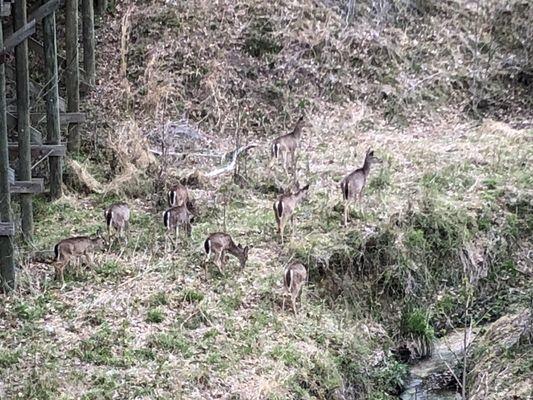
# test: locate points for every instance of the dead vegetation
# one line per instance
(193, 83)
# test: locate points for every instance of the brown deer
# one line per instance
(352, 185)
(294, 277)
(176, 217)
(217, 244)
(117, 216)
(285, 146)
(75, 248)
(284, 208)
(178, 195)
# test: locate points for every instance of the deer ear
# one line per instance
(246, 250)
(306, 187)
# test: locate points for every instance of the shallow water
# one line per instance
(447, 350)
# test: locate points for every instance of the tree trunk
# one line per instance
(23, 111)
(52, 102)
(72, 73)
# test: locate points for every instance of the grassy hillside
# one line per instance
(446, 219)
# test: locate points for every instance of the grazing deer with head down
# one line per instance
(217, 244)
(176, 217)
(75, 248)
(178, 195)
(294, 277)
(118, 216)
(352, 185)
(284, 208)
(285, 146)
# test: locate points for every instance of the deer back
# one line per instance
(118, 215)
(177, 196)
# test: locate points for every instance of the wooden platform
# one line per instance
(7, 229)
(36, 185)
(39, 150)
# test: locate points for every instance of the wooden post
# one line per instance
(52, 102)
(23, 111)
(7, 270)
(88, 40)
(72, 73)
(101, 6)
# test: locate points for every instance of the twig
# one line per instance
(231, 166)
(42, 159)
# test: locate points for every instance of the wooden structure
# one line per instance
(32, 146)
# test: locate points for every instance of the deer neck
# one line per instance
(366, 166)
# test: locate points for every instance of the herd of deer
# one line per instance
(218, 244)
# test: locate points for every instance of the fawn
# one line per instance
(75, 247)
(117, 215)
(285, 146)
(175, 217)
(218, 244)
(178, 195)
(294, 277)
(284, 208)
(352, 185)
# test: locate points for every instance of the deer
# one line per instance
(117, 216)
(284, 208)
(294, 277)
(352, 185)
(217, 244)
(75, 248)
(178, 195)
(285, 146)
(176, 217)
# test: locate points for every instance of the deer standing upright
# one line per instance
(284, 208)
(285, 146)
(294, 277)
(118, 216)
(352, 185)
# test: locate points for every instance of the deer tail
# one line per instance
(344, 188)
(288, 278)
(275, 150)
(170, 196)
(56, 252)
(109, 217)
(166, 216)
(207, 246)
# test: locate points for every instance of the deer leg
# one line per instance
(293, 300)
(346, 205)
(360, 202)
(281, 229)
(293, 225)
(283, 304)
(218, 262)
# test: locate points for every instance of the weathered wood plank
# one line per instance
(18, 37)
(36, 185)
(55, 150)
(12, 123)
(5, 9)
(53, 123)
(72, 73)
(7, 229)
(7, 270)
(88, 40)
(23, 120)
(65, 118)
(44, 10)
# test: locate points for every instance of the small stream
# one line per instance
(447, 350)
